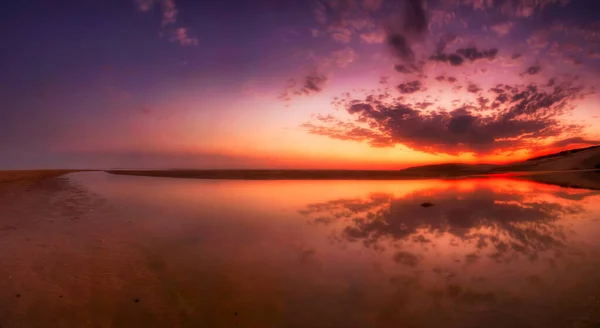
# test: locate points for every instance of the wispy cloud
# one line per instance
(169, 12)
(180, 35)
(341, 58)
(340, 34)
(145, 5)
(314, 82)
(377, 36)
(168, 8)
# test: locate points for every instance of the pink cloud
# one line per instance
(145, 5)
(371, 5)
(539, 39)
(377, 36)
(180, 35)
(440, 18)
(341, 58)
(168, 7)
(320, 13)
(169, 12)
(359, 24)
(340, 34)
(502, 29)
(593, 54)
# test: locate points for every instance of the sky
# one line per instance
(346, 84)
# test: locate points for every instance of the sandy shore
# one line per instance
(49, 228)
(587, 179)
(71, 258)
(30, 176)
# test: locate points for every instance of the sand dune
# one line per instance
(576, 159)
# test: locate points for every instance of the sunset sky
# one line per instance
(349, 84)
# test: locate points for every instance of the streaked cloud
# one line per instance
(376, 36)
(340, 34)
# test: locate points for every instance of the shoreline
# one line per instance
(585, 179)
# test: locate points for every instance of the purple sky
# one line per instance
(303, 84)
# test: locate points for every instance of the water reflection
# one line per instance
(492, 253)
(478, 254)
(501, 223)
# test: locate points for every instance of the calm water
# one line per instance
(201, 253)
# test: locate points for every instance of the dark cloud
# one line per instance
(514, 8)
(515, 56)
(410, 87)
(532, 70)
(573, 141)
(406, 258)
(415, 19)
(314, 83)
(471, 54)
(423, 104)
(443, 78)
(474, 88)
(400, 47)
(452, 59)
(504, 118)
(311, 83)
(408, 68)
(444, 41)
(413, 23)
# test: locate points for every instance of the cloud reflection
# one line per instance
(499, 224)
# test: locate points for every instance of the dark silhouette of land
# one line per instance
(571, 168)
(579, 168)
(28, 176)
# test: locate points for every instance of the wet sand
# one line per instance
(62, 263)
(30, 176)
(184, 253)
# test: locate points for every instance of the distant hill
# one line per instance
(563, 153)
(449, 169)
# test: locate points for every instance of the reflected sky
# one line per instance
(499, 223)
(489, 252)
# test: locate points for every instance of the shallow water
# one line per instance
(134, 251)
